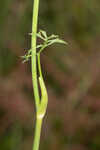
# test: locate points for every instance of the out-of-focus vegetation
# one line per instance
(72, 75)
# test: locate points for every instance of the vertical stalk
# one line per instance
(34, 74)
(33, 47)
(39, 66)
(41, 105)
(37, 133)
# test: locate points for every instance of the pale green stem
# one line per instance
(33, 47)
(34, 74)
(41, 105)
(37, 133)
(39, 66)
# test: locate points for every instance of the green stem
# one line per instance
(33, 47)
(34, 74)
(39, 66)
(37, 133)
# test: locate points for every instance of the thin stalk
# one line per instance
(34, 74)
(39, 66)
(33, 47)
(37, 133)
(41, 104)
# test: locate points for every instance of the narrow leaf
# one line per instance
(53, 36)
(39, 46)
(43, 33)
(40, 36)
(57, 41)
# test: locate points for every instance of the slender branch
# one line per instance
(39, 66)
(34, 75)
(33, 47)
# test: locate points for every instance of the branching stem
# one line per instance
(41, 104)
(34, 74)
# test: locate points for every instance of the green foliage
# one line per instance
(47, 41)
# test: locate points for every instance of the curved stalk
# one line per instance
(39, 66)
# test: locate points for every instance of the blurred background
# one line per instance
(72, 75)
